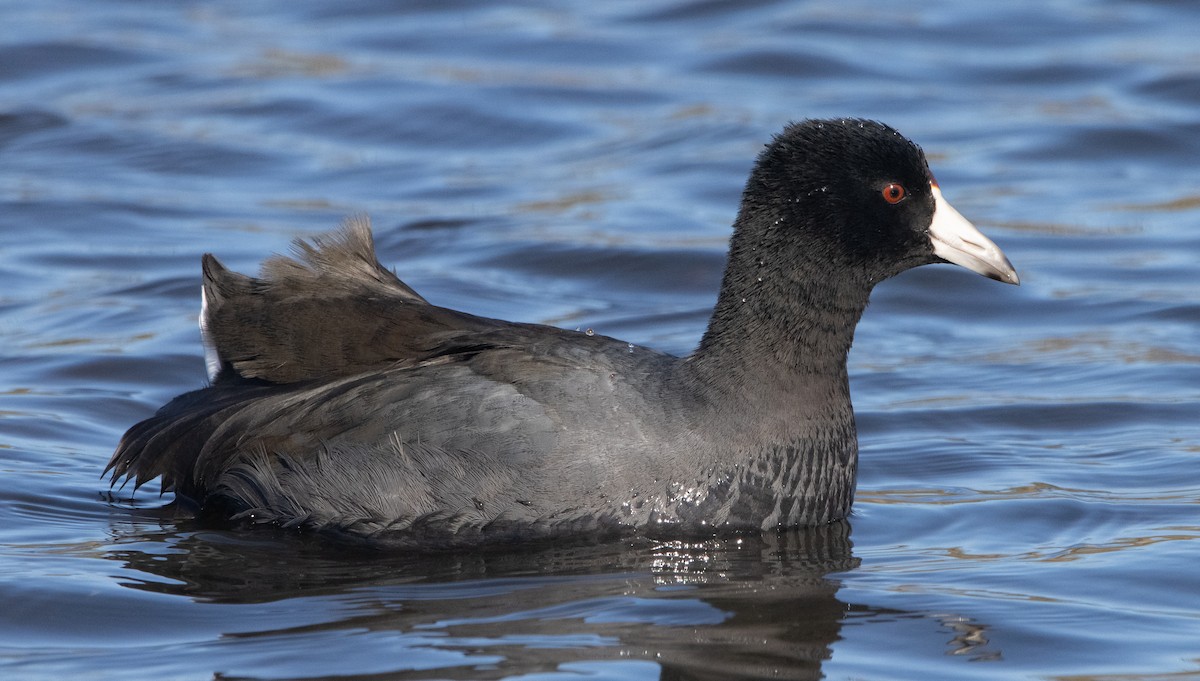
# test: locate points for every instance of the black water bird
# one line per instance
(342, 402)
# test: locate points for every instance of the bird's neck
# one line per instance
(779, 327)
(769, 384)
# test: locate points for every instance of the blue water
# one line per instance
(1029, 493)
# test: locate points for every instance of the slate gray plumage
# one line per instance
(343, 402)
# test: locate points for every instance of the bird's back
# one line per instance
(342, 400)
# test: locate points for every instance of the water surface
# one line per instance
(1030, 472)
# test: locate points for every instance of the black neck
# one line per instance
(778, 323)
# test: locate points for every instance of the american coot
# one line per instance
(343, 402)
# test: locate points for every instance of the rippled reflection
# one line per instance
(752, 606)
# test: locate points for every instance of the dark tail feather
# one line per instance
(169, 444)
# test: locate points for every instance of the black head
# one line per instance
(855, 199)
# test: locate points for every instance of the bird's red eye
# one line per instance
(893, 193)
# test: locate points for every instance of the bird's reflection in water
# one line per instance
(738, 607)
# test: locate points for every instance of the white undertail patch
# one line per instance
(212, 361)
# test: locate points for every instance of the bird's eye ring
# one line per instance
(893, 193)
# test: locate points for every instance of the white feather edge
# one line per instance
(212, 360)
